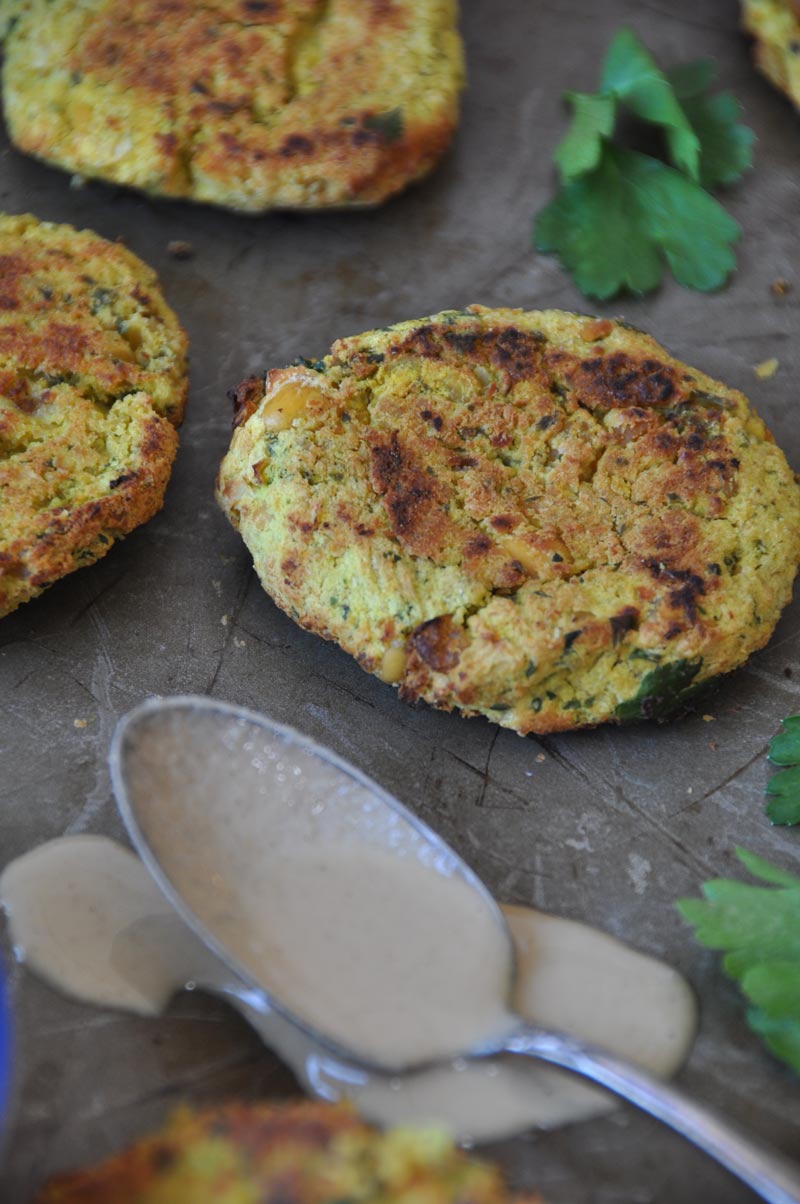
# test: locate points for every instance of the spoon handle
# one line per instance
(767, 1172)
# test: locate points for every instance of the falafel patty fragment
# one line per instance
(537, 517)
(248, 104)
(295, 1153)
(775, 27)
(92, 385)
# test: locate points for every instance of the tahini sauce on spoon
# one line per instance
(85, 915)
(321, 890)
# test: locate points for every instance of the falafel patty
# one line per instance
(249, 104)
(538, 517)
(92, 385)
(775, 26)
(298, 1153)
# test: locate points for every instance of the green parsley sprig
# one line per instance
(783, 788)
(620, 214)
(758, 928)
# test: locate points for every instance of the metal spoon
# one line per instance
(179, 765)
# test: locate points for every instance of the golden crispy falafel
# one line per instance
(538, 517)
(250, 104)
(775, 26)
(92, 385)
(299, 1153)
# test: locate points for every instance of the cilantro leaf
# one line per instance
(620, 215)
(595, 225)
(764, 870)
(783, 788)
(632, 75)
(775, 988)
(758, 927)
(781, 1037)
(784, 749)
(582, 147)
(690, 79)
(614, 227)
(751, 923)
(694, 231)
(726, 146)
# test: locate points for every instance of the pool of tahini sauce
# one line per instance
(308, 897)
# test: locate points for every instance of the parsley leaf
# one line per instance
(594, 120)
(620, 215)
(726, 146)
(632, 75)
(783, 788)
(615, 226)
(781, 1036)
(758, 927)
(690, 79)
(595, 225)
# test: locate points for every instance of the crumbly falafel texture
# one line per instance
(775, 27)
(92, 386)
(248, 104)
(541, 518)
(298, 1153)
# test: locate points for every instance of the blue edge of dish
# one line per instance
(5, 1046)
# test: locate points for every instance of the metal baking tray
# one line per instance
(607, 826)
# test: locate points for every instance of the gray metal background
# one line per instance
(609, 826)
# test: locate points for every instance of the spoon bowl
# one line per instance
(197, 782)
(194, 779)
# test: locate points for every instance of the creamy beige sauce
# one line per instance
(572, 978)
(85, 915)
(330, 900)
(319, 895)
(399, 964)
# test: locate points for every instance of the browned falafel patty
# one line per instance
(92, 385)
(775, 28)
(300, 1153)
(243, 103)
(538, 517)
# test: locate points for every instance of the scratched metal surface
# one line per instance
(608, 826)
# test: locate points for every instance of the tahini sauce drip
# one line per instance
(85, 915)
